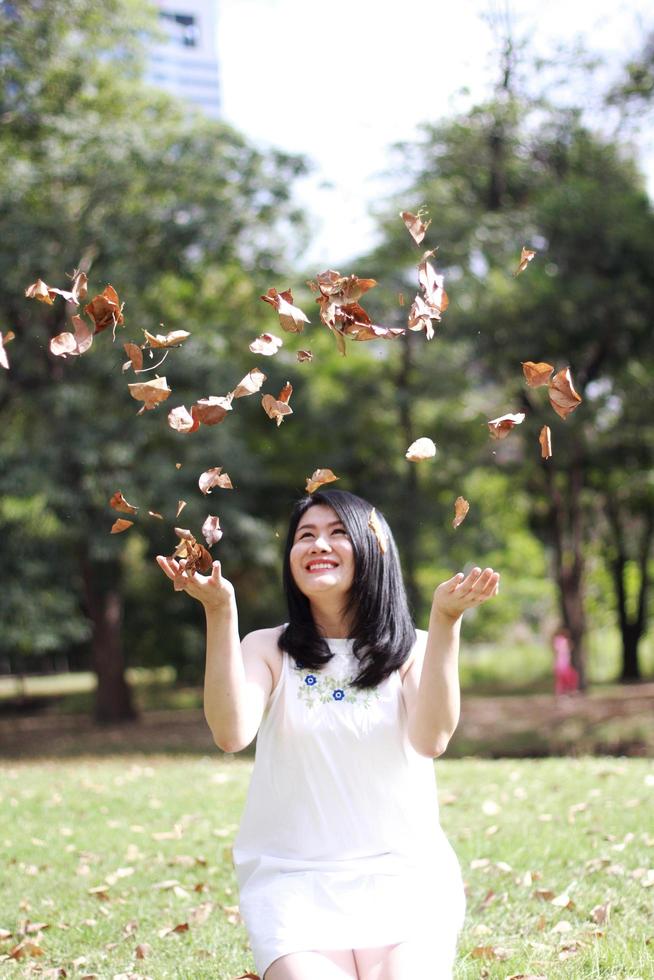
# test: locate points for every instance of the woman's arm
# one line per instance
(238, 679)
(431, 684)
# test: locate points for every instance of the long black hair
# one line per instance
(382, 626)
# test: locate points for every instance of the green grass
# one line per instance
(577, 826)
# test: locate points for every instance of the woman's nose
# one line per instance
(321, 544)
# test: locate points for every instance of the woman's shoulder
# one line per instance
(263, 645)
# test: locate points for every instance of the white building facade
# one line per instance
(186, 64)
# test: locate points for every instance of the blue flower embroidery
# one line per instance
(338, 694)
(310, 680)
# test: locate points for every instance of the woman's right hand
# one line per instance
(213, 591)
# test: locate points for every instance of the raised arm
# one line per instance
(431, 684)
(237, 678)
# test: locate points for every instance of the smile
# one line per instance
(318, 566)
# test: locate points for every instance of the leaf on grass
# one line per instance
(416, 227)
(461, 508)
(266, 344)
(278, 408)
(105, 310)
(601, 913)
(563, 901)
(291, 317)
(120, 525)
(173, 930)
(545, 439)
(304, 355)
(214, 477)
(376, 527)
(118, 502)
(247, 976)
(250, 384)
(526, 255)
(490, 953)
(500, 427)
(22, 950)
(142, 951)
(211, 530)
(181, 420)
(423, 448)
(318, 479)
(151, 393)
(563, 397)
(135, 355)
(171, 339)
(39, 290)
(537, 373)
(197, 559)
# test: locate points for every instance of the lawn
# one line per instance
(122, 867)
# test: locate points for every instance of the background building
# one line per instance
(186, 64)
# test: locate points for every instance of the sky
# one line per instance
(340, 82)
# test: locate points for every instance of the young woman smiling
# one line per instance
(344, 871)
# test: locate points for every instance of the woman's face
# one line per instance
(322, 557)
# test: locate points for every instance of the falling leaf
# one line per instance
(178, 466)
(318, 479)
(181, 504)
(563, 397)
(120, 525)
(423, 448)
(500, 427)
(118, 502)
(171, 339)
(105, 310)
(304, 355)
(537, 373)
(266, 344)
(197, 559)
(250, 384)
(67, 344)
(278, 408)
(526, 255)
(135, 355)
(432, 285)
(375, 526)
(63, 344)
(39, 290)
(211, 530)
(339, 308)
(79, 287)
(415, 225)
(461, 508)
(291, 317)
(212, 410)
(181, 420)
(10, 335)
(545, 439)
(151, 393)
(214, 477)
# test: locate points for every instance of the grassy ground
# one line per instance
(102, 858)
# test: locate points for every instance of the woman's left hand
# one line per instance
(452, 598)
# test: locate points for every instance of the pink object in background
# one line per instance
(566, 678)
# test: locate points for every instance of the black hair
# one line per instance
(382, 626)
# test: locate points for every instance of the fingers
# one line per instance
(479, 585)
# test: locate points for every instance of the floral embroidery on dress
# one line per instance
(322, 688)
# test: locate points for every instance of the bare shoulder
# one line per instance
(417, 654)
(262, 646)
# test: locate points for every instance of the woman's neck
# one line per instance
(330, 621)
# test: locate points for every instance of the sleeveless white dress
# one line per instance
(340, 845)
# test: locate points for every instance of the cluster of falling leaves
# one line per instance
(340, 310)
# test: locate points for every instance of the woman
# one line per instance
(343, 869)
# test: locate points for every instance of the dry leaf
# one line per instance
(266, 344)
(291, 317)
(10, 335)
(278, 408)
(601, 913)
(250, 384)
(318, 479)
(181, 504)
(211, 530)
(121, 525)
(68, 344)
(25, 949)
(537, 373)
(423, 448)
(500, 427)
(142, 951)
(339, 308)
(212, 410)
(197, 559)
(214, 477)
(118, 502)
(39, 290)
(172, 339)
(526, 255)
(304, 355)
(105, 310)
(375, 526)
(151, 393)
(135, 355)
(563, 397)
(461, 508)
(490, 953)
(181, 420)
(415, 225)
(545, 439)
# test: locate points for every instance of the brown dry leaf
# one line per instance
(232, 914)
(563, 901)
(304, 355)
(39, 290)
(339, 308)
(181, 420)
(375, 526)
(500, 427)
(318, 479)
(291, 317)
(266, 344)
(201, 913)
(154, 513)
(544, 893)
(563, 397)
(10, 335)
(171, 339)
(80, 286)
(461, 508)
(135, 355)
(105, 310)
(537, 373)
(248, 976)
(278, 408)
(250, 384)
(63, 345)
(601, 913)
(173, 930)
(197, 559)
(490, 953)
(5, 934)
(101, 891)
(214, 477)
(526, 255)
(121, 525)
(181, 504)
(416, 227)
(545, 439)
(22, 950)
(151, 393)
(142, 951)
(212, 410)
(432, 285)
(68, 345)
(423, 448)
(211, 530)
(118, 502)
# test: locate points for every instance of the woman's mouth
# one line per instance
(321, 566)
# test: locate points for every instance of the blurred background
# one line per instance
(195, 153)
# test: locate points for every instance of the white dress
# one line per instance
(340, 845)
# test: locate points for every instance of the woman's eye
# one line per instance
(339, 530)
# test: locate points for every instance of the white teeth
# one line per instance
(321, 564)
